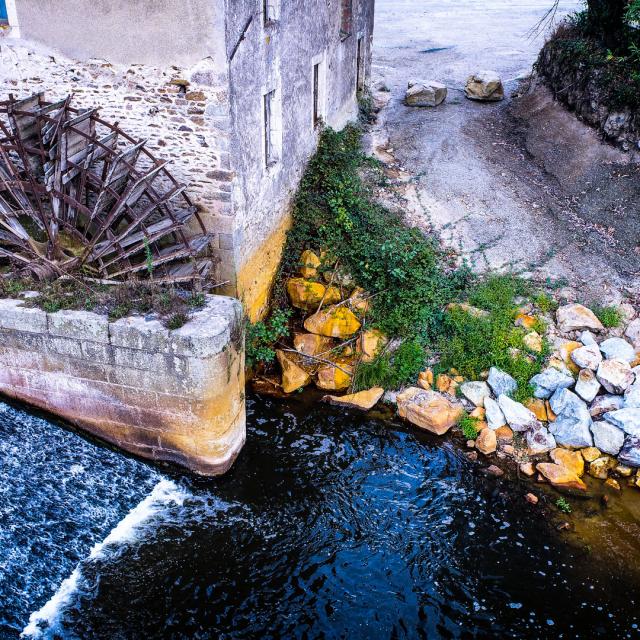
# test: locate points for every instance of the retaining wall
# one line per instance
(174, 396)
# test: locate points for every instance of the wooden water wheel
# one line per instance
(78, 195)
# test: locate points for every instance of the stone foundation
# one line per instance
(174, 396)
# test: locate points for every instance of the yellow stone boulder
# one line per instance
(601, 466)
(358, 302)
(293, 376)
(590, 453)
(332, 378)
(487, 442)
(370, 344)
(305, 294)
(572, 460)
(428, 410)
(333, 322)
(309, 262)
(566, 349)
(560, 477)
(425, 379)
(533, 341)
(363, 400)
(525, 321)
(311, 344)
(538, 408)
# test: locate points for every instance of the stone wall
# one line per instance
(175, 396)
(580, 88)
(154, 32)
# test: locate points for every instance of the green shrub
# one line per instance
(609, 316)
(469, 426)
(545, 302)
(262, 336)
(392, 370)
(563, 505)
(176, 320)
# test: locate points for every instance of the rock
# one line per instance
(390, 397)
(486, 442)
(633, 333)
(632, 395)
(467, 308)
(538, 408)
(627, 419)
(613, 483)
(539, 441)
(475, 392)
(588, 357)
(370, 344)
(549, 381)
(572, 460)
(478, 413)
(531, 499)
(340, 277)
(615, 375)
(590, 453)
(359, 301)
(587, 386)
(307, 295)
(311, 344)
(607, 437)
(504, 434)
(528, 469)
(425, 379)
(587, 338)
(607, 402)
(363, 400)
(525, 321)
(518, 417)
(493, 413)
(484, 86)
(551, 416)
(556, 362)
(426, 94)
(428, 410)
(309, 264)
(493, 470)
(333, 322)
(618, 349)
(561, 477)
(623, 471)
(566, 349)
(601, 466)
(564, 400)
(331, 378)
(575, 317)
(533, 341)
(294, 377)
(627, 312)
(446, 384)
(572, 430)
(508, 449)
(501, 383)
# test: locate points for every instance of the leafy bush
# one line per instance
(469, 426)
(262, 336)
(609, 316)
(563, 505)
(392, 371)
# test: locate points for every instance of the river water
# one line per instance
(330, 525)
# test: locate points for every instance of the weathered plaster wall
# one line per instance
(155, 32)
(280, 56)
(187, 125)
(165, 395)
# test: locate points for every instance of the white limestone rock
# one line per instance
(615, 375)
(603, 404)
(475, 392)
(485, 86)
(576, 317)
(573, 429)
(630, 452)
(633, 332)
(426, 94)
(587, 386)
(627, 419)
(548, 381)
(587, 338)
(539, 441)
(607, 437)
(493, 414)
(564, 400)
(501, 383)
(632, 395)
(518, 417)
(587, 357)
(618, 349)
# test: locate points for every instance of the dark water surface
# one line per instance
(329, 526)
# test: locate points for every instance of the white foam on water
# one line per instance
(127, 530)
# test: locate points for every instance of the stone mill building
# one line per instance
(233, 92)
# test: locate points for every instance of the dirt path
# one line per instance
(518, 184)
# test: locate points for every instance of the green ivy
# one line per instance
(262, 336)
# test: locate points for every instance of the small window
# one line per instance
(4, 16)
(346, 18)
(317, 116)
(269, 11)
(269, 139)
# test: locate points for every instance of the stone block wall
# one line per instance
(174, 396)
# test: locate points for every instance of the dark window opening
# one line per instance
(269, 156)
(268, 11)
(360, 65)
(4, 16)
(316, 94)
(346, 18)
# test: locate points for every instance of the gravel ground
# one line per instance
(518, 184)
